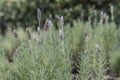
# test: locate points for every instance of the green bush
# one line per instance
(23, 13)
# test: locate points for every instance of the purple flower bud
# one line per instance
(47, 24)
(60, 19)
(15, 33)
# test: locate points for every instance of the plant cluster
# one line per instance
(80, 52)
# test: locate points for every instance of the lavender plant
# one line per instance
(56, 55)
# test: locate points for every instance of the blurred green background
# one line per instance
(22, 13)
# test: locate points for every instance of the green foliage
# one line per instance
(48, 57)
(23, 13)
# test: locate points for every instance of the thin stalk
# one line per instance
(63, 41)
(33, 61)
(44, 37)
(39, 22)
(51, 33)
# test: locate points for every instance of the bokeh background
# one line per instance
(22, 13)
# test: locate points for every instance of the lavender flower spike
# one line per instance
(47, 24)
(60, 19)
(38, 14)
